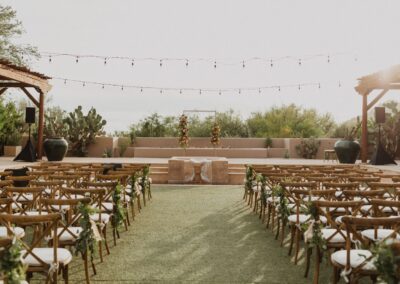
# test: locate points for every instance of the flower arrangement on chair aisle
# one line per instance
(183, 132)
(215, 132)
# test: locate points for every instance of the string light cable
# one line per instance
(182, 90)
(214, 62)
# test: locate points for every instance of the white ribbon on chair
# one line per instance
(95, 230)
(309, 233)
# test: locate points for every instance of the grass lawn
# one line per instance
(197, 234)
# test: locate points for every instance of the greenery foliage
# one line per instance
(387, 261)
(283, 209)
(308, 149)
(11, 266)
(82, 129)
(86, 242)
(11, 124)
(10, 29)
(54, 123)
(118, 215)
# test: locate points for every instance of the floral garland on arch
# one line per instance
(215, 133)
(183, 131)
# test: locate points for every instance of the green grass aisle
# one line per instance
(197, 234)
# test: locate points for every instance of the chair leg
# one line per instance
(255, 201)
(268, 214)
(308, 260)
(101, 251)
(139, 205)
(317, 263)
(296, 257)
(144, 198)
(114, 236)
(65, 274)
(292, 236)
(335, 275)
(133, 210)
(85, 263)
(278, 228)
(283, 233)
(105, 239)
(149, 196)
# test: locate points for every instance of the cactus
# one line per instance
(83, 129)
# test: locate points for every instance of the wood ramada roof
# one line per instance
(382, 80)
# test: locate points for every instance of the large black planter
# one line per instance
(347, 151)
(55, 148)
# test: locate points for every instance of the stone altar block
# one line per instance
(198, 170)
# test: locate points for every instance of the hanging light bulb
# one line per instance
(240, 91)
(105, 61)
(299, 62)
(65, 81)
(133, 62)
(122, 88)
(329, 59)
(215, 64)
(319, 85)
(84, 84)
(259, 91)
(200, 91)
(160, 91)
(243, 64)
(279, 88)
(299, 87)
(187, 62)
(141, 89)
(50, 59)
(271, 63)
(180, 91)
(340, 85)
(102, 86)
(220, 93)
(161, 62)
(77, 59)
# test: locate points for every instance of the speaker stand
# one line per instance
(28, 153)
(380, 156)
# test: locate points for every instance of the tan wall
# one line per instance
(230, 147)
(97, 149)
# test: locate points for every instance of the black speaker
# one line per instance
(380, 116)
(30, 114)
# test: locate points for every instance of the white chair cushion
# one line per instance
(381, 234)
(105, 218)
(23, 197)
(31, 213)
(64, 256)
(337, 238)
(108, 206)
(18, 232)
(273, 199)
(357, 256)
(66, 235)
(303, 218)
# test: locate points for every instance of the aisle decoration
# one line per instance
(183, 132)
(312, 229)
(215, 134)
(249, 181)
(118, 215)
(386, 256)
(87, 239)
(11, 266)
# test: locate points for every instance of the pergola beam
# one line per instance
(377, 98)
(32, 98)
(14, 85)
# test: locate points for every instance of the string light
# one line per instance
(105, 61)
(299, 62)
(161, 62)
(187, 62)
(133, 62)
(50, 59)
(329, 59)
(77, 59)
(215, 64)
(239, 90)
(243, 64)
(272, 63)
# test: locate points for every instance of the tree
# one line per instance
(10, 29)
(11, 124)
(290, 121)
(83, 129)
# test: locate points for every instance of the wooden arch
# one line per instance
(382, 81)
(12, 76)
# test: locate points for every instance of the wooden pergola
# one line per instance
(382, 81)
(12, 76)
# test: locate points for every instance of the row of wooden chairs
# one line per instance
(42, 210)
(339, 202)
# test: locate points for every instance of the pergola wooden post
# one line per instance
(12, 76)
(384, 81)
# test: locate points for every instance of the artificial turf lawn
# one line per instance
(197, 234)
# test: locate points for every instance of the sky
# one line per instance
(359, 36)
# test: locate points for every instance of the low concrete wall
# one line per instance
(229, 148)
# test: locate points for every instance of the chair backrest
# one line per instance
(49, 222)
(5, 205)
(385, 208)
(26, 198)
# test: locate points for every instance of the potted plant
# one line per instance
(55, 146)
(348, 149)
(13, 145)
